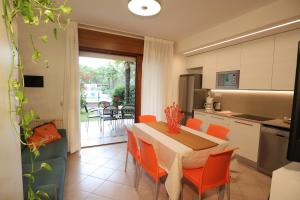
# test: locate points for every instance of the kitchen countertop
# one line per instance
(274, 122)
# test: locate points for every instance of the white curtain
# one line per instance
(71, 88)
(157, 59)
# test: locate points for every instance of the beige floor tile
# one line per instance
(103, 172)
(90, 183)
(87, 169)
(110, 190)
(75, 195)
(122, 177)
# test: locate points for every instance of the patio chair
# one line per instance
(109, 113)
(92, 113)
(127, 113)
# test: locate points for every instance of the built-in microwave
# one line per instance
(228, 79)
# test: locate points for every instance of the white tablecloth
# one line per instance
(173, 154)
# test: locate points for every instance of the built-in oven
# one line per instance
(228, 79)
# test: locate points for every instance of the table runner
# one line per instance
(191, 140)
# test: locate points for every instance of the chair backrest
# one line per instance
(194, 124)
(132, 145)
(147, 118)
(110, 110)
(218, 131)
(127, 109)
(148, 159)
(216, 170)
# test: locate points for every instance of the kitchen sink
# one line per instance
(252, 117)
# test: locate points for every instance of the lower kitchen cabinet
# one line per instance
(245, 135)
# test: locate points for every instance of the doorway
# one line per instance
(107, 97)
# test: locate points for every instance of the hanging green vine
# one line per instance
(32, 13)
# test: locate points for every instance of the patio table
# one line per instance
(172, 154)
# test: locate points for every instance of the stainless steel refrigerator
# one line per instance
(191, 94)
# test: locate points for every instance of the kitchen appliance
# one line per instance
(253, 117)
(209, 103)
(228, 79)
(217, 106)
(273, 145)
(191, 94)
(294, 139)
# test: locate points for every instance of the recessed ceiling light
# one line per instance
(144, 7)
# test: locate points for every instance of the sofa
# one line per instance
(51, 182)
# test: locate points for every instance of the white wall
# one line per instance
(178, 67)
(10, 153)
(46, 101)
(270, 14)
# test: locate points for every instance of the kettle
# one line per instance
(217, 106)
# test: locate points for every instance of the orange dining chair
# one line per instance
(218, 131)
(194, 124)
(150, 165)
(147, 118)
(132, 148)
(215, 173)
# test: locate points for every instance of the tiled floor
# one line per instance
(92, 134)
(98, 174)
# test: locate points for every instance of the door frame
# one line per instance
(107, 43)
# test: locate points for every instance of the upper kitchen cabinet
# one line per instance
(195, 61)
(256, 64)
(229, 58)
(285, 58)
(209, 70)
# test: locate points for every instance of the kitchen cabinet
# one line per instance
(245, 135)
(256, 64)
(229, 58)
(209, 70)
(285, 59)
(208, 119)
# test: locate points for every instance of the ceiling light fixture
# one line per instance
(243, 36)
(144, 7)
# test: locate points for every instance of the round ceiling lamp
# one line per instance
(144, 7)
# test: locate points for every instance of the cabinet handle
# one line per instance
(217, 117)
(243, 123)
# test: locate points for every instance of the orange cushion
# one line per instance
(44, 134)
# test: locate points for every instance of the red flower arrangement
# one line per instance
(174, 116)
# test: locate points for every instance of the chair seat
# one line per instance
(193, 175)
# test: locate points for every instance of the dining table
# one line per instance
(174, 152)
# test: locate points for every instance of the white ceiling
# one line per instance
(177, 20)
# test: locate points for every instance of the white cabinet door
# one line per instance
(209, 70)
(229, 58)
(256, 64)
(195, 61)
(285, 59)
(245, 136)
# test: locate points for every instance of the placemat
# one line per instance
(191, 140)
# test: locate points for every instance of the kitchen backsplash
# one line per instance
(267, 104)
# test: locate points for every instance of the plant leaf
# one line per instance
(44, 38)
(46, 166)
(66, 9)
(29, 176)
(42, 194)
(36, 55)
(49, 15)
